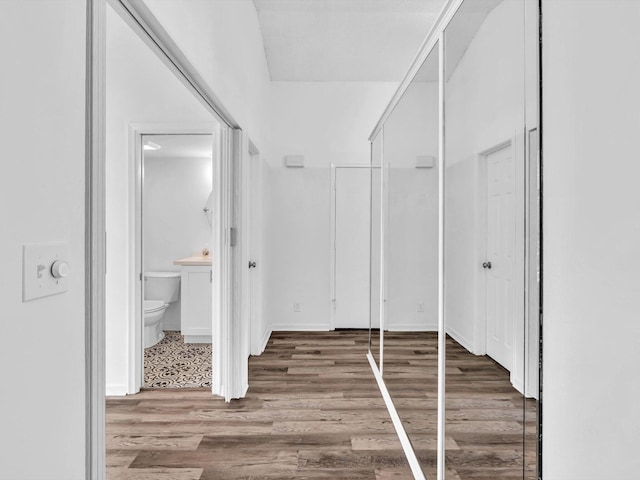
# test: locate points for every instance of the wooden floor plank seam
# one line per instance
(313, 411)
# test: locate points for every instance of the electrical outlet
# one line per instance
(421, 307)
(296, 307)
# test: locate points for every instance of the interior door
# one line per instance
(254, 233)
(500, 261)
(230, 364)
(351, 244)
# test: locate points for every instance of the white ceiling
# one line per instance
(180, 146)
(343, 40)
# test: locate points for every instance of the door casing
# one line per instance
(136, 268)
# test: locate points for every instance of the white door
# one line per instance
(230, 364)
(254, 232)
(500, 261)
(351, 244)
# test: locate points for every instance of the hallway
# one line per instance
(313, 410)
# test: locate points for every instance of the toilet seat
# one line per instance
(151, 306)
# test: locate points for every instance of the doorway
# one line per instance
(350, 245)
(176, 229)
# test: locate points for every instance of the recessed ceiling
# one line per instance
(179, 146)
(343, 40)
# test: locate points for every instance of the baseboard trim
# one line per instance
(265, 340)
(317, 327)
(418, 474)
(407, 327)
(517, 382)
(198, 339)
(461, 339)
(116, 390)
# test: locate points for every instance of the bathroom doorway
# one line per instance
(174, 240)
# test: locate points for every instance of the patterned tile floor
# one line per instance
(171, 363)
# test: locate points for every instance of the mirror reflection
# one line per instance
(411, 260)
(491, 246)
(376, 237)
(485, 255)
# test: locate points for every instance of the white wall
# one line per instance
(42, 119)
(223, 41)
(175, 192)
(412, 223)
(327, 123)
(140, 90)
(591, 235)
(484, 106)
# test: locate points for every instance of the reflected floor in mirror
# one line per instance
(485, 419)
(485, 416)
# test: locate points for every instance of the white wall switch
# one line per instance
(421, 307)
(44, 270)
(296, 307)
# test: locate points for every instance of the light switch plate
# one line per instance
(37, 279)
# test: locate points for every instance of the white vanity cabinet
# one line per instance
(196, 300)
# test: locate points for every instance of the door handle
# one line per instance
(252, 264)
(486, 265)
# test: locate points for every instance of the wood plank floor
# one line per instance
(485, 414)
(313, 411)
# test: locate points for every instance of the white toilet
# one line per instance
(160, 289)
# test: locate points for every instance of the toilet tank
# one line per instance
(163, 286)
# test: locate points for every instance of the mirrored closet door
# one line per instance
(411, 260)
(483, 116)
(375, 307)
(484, 239)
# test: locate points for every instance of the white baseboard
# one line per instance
(265, 340)
(407, 327)
(461, 339)
(295, 327)
(198, 339)
(517, 381)
(116, 390)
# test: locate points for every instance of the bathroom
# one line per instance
(175, 223)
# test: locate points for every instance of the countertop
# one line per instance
(195, 260)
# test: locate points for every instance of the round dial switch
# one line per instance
(59, 269)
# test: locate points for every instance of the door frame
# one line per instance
(533, 266)
(332, 258)
(136, 254)
(147, 27)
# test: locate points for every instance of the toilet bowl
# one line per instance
(161, 289)
(153, 312)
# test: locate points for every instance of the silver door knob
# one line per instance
(252, 264)
(486, 265)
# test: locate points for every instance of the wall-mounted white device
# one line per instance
(45, 269)
(425, 161)
(294, 161)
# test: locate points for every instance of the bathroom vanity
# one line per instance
(196, 298)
